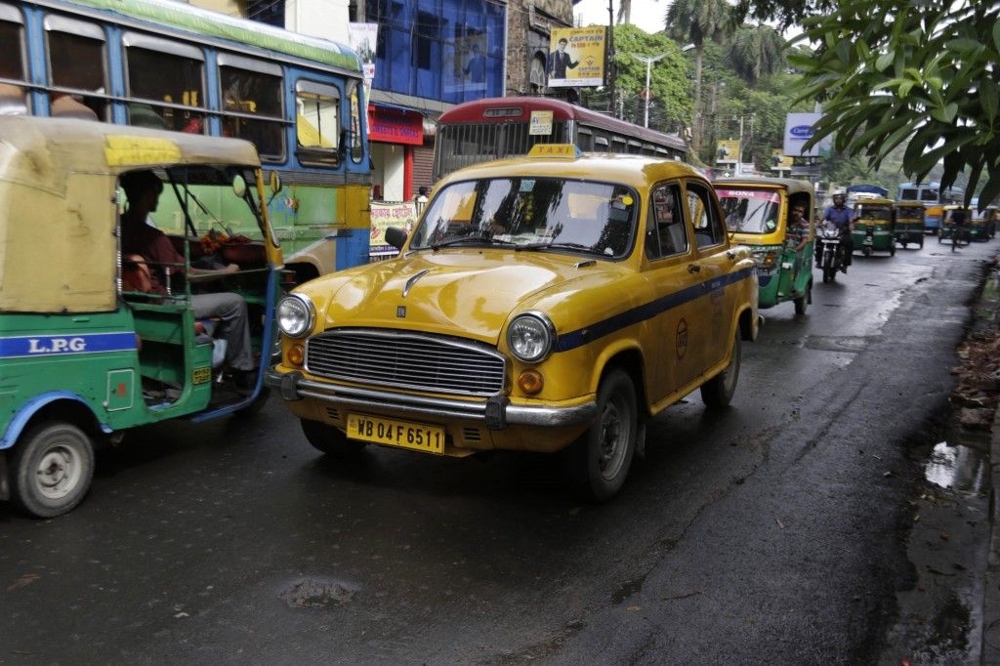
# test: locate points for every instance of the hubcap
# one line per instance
(614, 435)
(57, 473)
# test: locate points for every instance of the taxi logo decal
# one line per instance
(591, 332)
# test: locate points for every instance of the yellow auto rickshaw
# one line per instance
(909, 221)
(761, 213)
(873, 226)
(88, 352)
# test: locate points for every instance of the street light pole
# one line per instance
(649, 60)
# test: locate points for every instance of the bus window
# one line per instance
(317, 126)
(251, 102)
(76, 64)
(168, 82)
(13, 97)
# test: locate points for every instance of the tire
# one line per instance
(921, 243)
(802, 302)
(600, 460)
(51, 469)
(331, 440)
(867, 251)
(892, 251)
(718, 391)
(829, 274)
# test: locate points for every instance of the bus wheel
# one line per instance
(600, 460)
(51, 469)
(331, 440)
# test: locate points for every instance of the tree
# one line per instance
(916, 74)
(669, 86)
(698, 21)
(756, 51)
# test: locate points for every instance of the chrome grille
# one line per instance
(398, 359)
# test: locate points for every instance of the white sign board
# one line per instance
(798, 129)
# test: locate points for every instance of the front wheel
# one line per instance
(718, 391)
(52, 469)
(601, 458)
(331, 440)
(829, 274)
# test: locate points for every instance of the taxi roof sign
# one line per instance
(555, 150)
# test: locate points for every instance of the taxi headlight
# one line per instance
(295, 315)
(530, 337)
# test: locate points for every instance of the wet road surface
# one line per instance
(771, 532)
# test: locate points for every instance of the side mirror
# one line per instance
(239, 186)
(274, 182)
(395, 237)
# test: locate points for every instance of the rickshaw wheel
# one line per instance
(52, 469)
(803, 301)
(600, 460)
(921, 243)
(867, 251)
(718, 391)
(892, 251)
(331, 440)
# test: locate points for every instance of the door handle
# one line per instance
(693, 268)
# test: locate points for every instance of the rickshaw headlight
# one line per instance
(295, 315)
(530, 337)
(765, 259)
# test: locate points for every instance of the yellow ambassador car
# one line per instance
(542, 303)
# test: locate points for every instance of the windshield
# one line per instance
(750, 211)
(875, 212)
(524, 213)
(205, 199)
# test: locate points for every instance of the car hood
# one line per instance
(456, 293)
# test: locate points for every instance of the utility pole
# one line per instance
(610, 64)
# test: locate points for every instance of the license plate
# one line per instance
(404, 434)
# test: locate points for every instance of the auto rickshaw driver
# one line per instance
(143, 189)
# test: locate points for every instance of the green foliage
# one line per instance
(916, 76)
(670, 104)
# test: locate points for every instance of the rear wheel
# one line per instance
(51, 469)
(803, 301)
(600, 459)
(330, 440)
(718, 391)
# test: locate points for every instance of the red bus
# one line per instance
(493, 128)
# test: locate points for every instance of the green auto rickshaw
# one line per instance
(909, 220)
(761, 213)
(874, 230)
(982, 225)
(87, 351)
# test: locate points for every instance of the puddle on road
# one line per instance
(960, 462)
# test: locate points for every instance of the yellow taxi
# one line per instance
(541, 303)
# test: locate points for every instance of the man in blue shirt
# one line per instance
(843, 217)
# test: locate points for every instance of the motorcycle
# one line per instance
(831, 252)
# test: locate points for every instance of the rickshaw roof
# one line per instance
(58, 204)
(54, 146)
(791, 185)
(907, 203)
(878, 201)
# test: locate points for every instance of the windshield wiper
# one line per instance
(462, 240)
(576, 247)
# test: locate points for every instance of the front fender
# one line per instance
(24, 414)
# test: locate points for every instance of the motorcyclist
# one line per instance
(843, 218)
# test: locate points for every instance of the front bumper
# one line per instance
(495, 412)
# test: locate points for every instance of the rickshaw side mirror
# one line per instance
(239, 186)
(274, 182)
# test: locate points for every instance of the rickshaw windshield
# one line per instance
(524, 213)
(750, 211)
(874, 213)
(910, 212)
(214, 198)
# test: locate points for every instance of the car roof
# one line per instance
(632, 170)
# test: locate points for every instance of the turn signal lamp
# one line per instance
(296, 354)
(530, 382)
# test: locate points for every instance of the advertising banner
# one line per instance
(728, 150)
(363, 37)
(799, 129)
(576, 57)
(385, 215)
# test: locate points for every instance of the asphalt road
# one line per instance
(770, 532)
